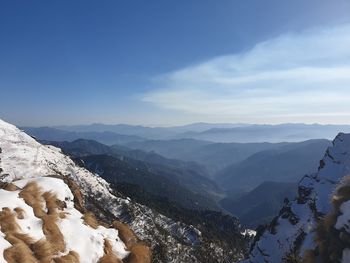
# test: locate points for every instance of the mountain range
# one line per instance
(225, 133)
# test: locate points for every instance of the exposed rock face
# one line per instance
(299, 230)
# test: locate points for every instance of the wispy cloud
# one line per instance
(294, 77)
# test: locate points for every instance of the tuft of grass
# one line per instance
(32, 196)
(62, 215)
(43, 251)
(53, 233)
(19, 252)
(78, 196)
(8, 186)
(53, 204)
(139, 253)
(14, 237)
(109, 256)
(126, 234)
(90, 220)
(8, 222)
(20, 213)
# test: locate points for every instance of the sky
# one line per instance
(162, 62)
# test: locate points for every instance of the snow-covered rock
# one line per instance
(293, 233)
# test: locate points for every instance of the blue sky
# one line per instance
(173, 62)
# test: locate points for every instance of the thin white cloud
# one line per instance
(294, 77)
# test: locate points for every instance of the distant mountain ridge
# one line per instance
(287, 163)
(106, 137)
(243, 133)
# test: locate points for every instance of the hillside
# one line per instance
(182, 182)
(261, 204)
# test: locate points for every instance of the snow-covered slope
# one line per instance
(88, 242)
(307, 223)
(34, 178)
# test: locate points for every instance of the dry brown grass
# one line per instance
(8, 222)
(78, 197)
(20, 213)
(53, 204)
(90, 220)
(42, 250)
(109, 256)
(14, 237)
(126, 234)
(32, 196)
(62, 215)
(53, 233)
(139, 253)
(71, 257)
(19, 253)
(8, 186)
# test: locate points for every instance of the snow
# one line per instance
(346, 256)
(86, 241)
(343, 219)
(23, 159)
(249, 232)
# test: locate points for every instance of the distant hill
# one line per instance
(147, 132)
(268, 133)
(285, 164)
(261, 204)
(53, 134)
(213, 156)
(220, 132)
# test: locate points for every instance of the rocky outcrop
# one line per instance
(302, 231)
